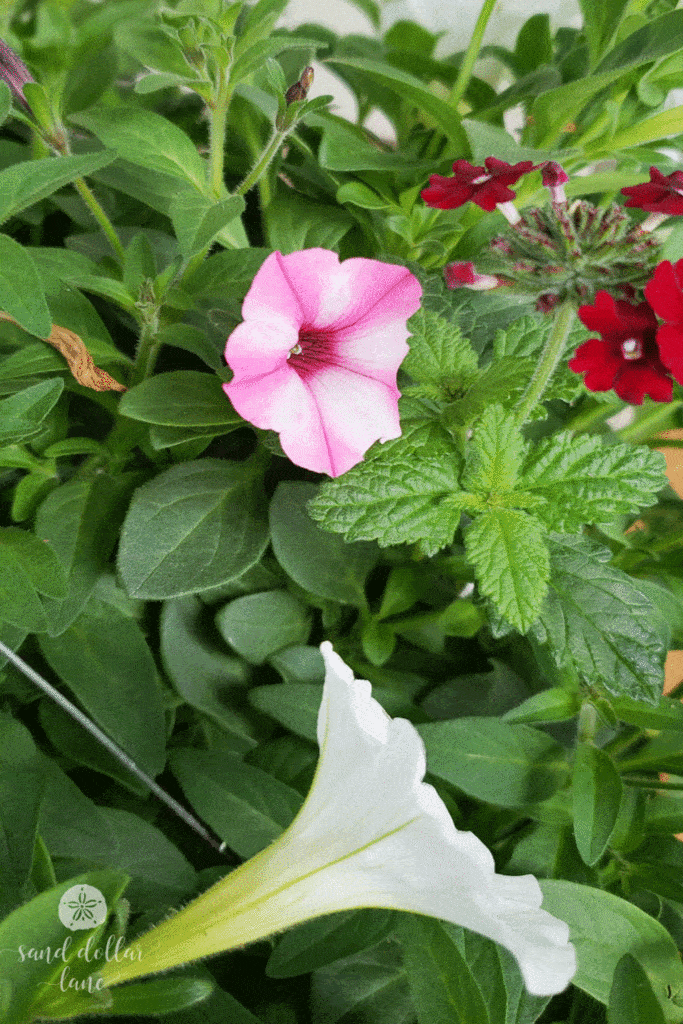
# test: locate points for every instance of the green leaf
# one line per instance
(33, 984)
(245, 806)
(182, 398)
(192, 527)
(495, 453)
(508, 765)
(439, 354)
(508, 551)
(368, 987)
(631, 998)
(318, 561)
(597, 621)
(582, 480)
(663, 714)
(603, 928)
(80, 521)
(319, 942)
(345, 147)
(37, 559)
(554, 705)
(209, 680)
(408, 87)
(294, 705)
(597, 793)
(358, 194)
(652, 129)
(26, 183)
(554, 109)
(258, 625)
(534, 45)
(22, 780)
(295, 223)
(444, 989)
(197, 220)
(147, 139)
(601, 21)
(404, 492)
(105, 661)
(21, 292)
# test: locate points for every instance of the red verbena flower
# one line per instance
(663, 193)
(625, 356)
(463, 274)
(486, 186)
(665, 294)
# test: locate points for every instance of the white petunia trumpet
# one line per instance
(371, 833)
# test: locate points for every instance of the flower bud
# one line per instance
(15, 73)
(299, 91)
(554, 179)
(464, 275)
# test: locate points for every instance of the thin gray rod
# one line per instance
(112, 747)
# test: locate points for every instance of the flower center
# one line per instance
(632, 348)
(481, 179)
(312, 351)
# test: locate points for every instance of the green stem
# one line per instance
(622, 742)
(598, 414)
(471, 53)
(588, 723)
(217, 124)
(648, 423)
(100, 216)
(262, 165)
(550, 357)
(148, 347)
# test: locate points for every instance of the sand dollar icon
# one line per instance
(82, 906)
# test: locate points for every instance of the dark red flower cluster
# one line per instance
(663, 193)
(636, 355)
(486, 186)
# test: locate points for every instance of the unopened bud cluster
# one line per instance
(573, 251)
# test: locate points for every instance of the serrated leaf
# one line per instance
(597, 621)
(439, 354)
(495, 453)
(500, 382)
(508, 551)
(586, 481)
(406, 491)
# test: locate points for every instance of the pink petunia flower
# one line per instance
(317, 355)
(625, 356)
(665, 294)
(487, 186)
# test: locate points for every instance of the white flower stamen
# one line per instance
(632, 348)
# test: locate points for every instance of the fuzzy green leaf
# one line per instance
(507, 549)
(596, 620)
(495, 453)
(439, 354)
(404, 492)
(585, 481)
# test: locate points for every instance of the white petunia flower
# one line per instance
(371, 833)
